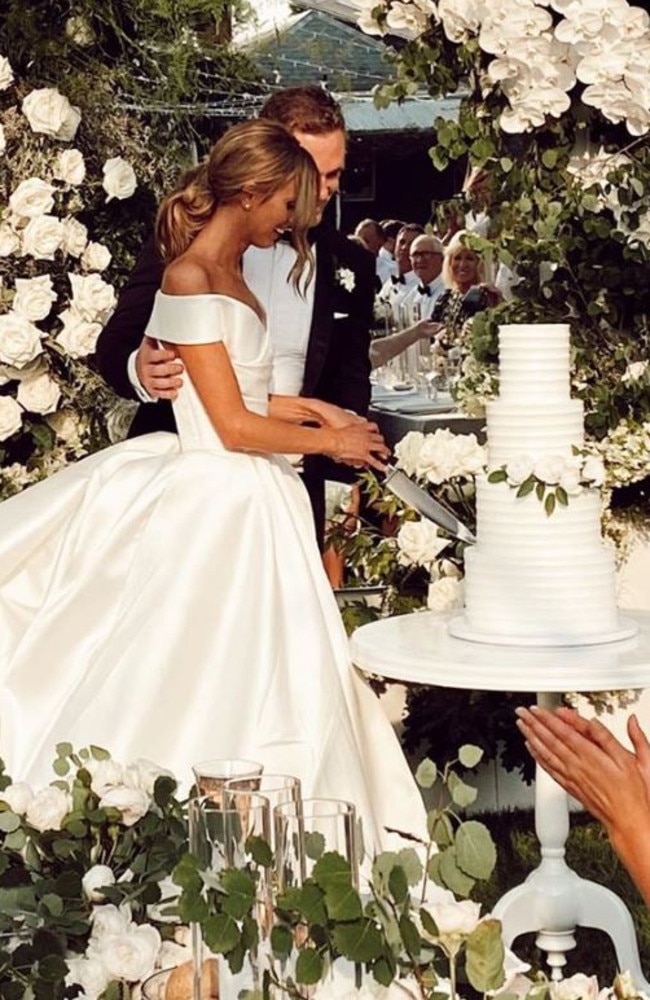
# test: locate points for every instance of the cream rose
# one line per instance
(20, 340)
(89, 973)
(39, 395)
(48, 808)
(42, 237)
(75, 237)
(50, 113)
(455, 919)
(519, 469)
(31, 198)
(78, 337)
(570, 481)
(66, 425)
(34, 297)
(92, 297)
(9, 241)
(6, 73)
(70, 167)
(133, 803)
(131, 955)
(419, 542)
(18, 796)
(550, 468)
(407, 452)
(110, 920)
(96, 257)
(119, 179)
(445, 593)
(11, 417)
(576, 987)
(105, 774)
(143, 774)
(593, 470)
(96, 879)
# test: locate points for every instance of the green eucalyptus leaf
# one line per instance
(453, 877)
(309, 966)
(441, 830)
(485, 956)
(359, 941)
(281, 941)
(476, 853)
(314, 845)
(410, 936)
(383, 970)
(561, 496)
(526, 487)
(549, 504)
(220, 933)
(463, 795)
(470, 755)
(426, 773)
(398, 885)
(409, 861)
(9, 821)
(239, 890)
(497, 476)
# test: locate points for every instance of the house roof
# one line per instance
(414, 114)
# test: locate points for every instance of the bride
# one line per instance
(165, 598)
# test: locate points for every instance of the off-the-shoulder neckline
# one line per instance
(216, 295)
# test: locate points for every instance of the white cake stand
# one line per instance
(553, 900)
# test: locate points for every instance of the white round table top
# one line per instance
(417, 648)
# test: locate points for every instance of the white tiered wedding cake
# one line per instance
(536, 578)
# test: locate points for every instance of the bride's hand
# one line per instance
(329, 415)
(360, 443)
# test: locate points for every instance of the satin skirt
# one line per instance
(172, 605)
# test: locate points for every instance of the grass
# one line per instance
(588, 853)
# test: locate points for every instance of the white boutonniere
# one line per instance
(346, 278)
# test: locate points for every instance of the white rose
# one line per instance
(78, 337)
(95, 257)
(34, 297)
(445, 593)
(30, 370)
(593, 470)
(70, 167)
(18, 796)
(89, 973)
(456, 918)
(39, 395)
(419, 542)
(576, 987)
(143, 774)
(570, 481)
(407, 452)
(20, 340)
(469, 456)
(550, 468)
(32, 197)
(92, 297)
(66, 426)
(3, 141)
(9, 241)
(6, 73)
(131, 955)
(119, 178)
(42, 237)
(105, 774)
(51, 113)
(519, 469)
(48, 808)
(75, 237)
(133, 803)
(109, 920)
(95, 879)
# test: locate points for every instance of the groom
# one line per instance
(320, 341)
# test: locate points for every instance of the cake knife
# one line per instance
(414, 496)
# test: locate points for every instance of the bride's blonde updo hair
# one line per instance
(256, 157)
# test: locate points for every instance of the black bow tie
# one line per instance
(424, 290)
(397, 279)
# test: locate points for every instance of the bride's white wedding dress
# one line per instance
(165, 599)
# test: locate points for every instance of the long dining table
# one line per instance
(397, 412)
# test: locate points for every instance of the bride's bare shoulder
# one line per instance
(186, 276)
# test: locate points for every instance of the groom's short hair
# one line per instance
(310, 109)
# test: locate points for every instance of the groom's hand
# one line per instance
(159, 370)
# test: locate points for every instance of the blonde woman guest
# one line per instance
(166, 598)
(466, 290)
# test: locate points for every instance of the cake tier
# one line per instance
(519, 527)
(534, 430)
(534, 363)
(538, 576)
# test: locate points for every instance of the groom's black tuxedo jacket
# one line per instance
(337, 366)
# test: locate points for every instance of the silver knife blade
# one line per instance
(414, 496)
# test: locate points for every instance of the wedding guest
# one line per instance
(466, 291)
(165, 598)
(373, 238)
(395, 288)
(386, 263)
(320, 338)
(612, 783)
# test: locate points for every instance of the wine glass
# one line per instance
(211, 775)
(304, 831)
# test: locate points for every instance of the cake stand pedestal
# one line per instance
(553, 900)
